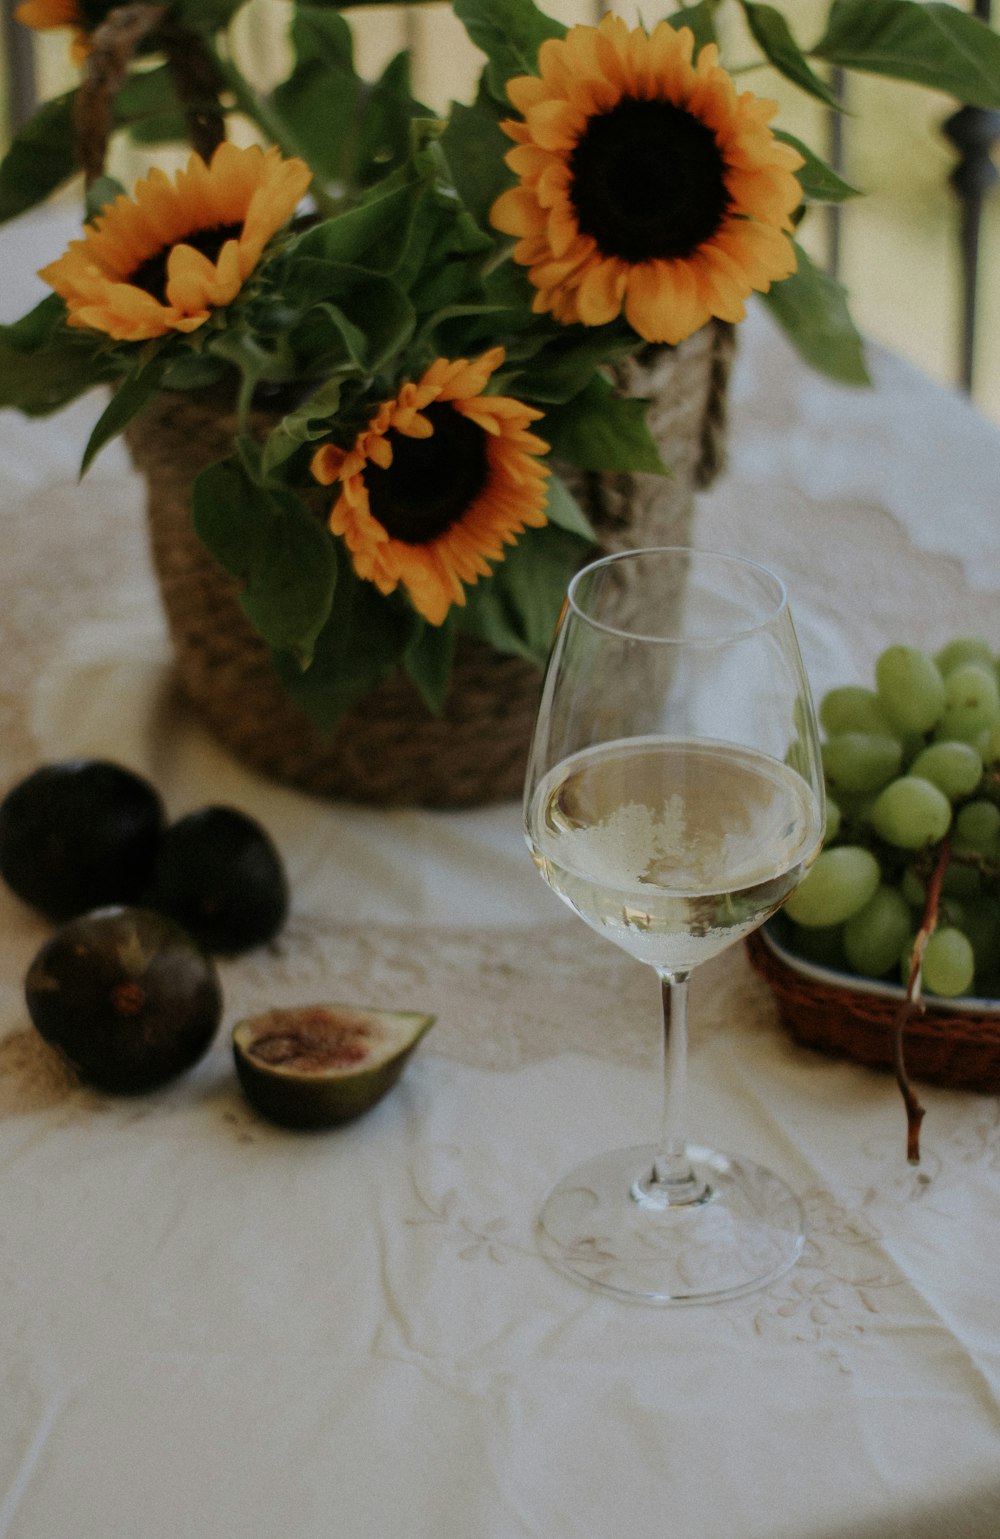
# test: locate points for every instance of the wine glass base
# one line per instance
(745, 1229)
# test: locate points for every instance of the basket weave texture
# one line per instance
(957, 1049)
(390, 750)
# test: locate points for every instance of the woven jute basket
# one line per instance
(943, 1044)
(390, 750)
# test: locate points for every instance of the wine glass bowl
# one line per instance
(674, 800)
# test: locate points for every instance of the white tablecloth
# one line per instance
(214, 1329)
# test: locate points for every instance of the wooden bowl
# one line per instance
(952, 1042)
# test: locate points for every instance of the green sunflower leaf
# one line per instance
(268, 540)
(812, 309)
(701, 19)
(562, 508)
(102, 191)
(517, 609)
(44, 365)
(351, 131)
(474, 145)
(554, 368)
(319, 98)
(148, 108)
(510, 33)
(347, 316)
(772, 34)
(932, 45)
(135, 391)
(601, 430)
(303, 425)
(360, 645)
(428, 661)
(819, 182)
(40, 159)
(369, 235)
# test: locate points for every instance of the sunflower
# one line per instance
(441, 479)
(647, 184)
(82, 15)
(165, 258)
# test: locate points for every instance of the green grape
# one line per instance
(981, 927)
(991, 753)
(913, 889)
(977, 826)
(852, 708)
(949, 963)
(911, 690)
(874, 936)
(860, 762)
(955, 768)
(964, 649)
(833, 821)
(972, 703)
(840, 882)
(911, 812)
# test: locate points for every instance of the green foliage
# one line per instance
(600, 430)
(819, 182)
(41, 158)
(44, 366)
(395, 264)
(700, 17)
(516, 611)
(510, 33)
(770, 30)
(278, 550)
(364, 639)
(350, 131)
(932, 45)
(812, 308)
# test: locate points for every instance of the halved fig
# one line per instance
(315, 1066)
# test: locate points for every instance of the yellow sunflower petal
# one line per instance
(433, 567)
(669, 273)
(599, 296)
(244, 191)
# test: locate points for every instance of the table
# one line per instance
(212, 1328)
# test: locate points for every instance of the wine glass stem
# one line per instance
(672, 1181)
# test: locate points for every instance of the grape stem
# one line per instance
(913, 1002)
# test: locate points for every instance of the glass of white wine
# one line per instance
(674, 799)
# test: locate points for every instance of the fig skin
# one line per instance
(218, 873)
(79, 834)
(319, 1066)
(126, 996)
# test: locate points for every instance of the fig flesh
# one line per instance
(316, 1066)
(126, 996)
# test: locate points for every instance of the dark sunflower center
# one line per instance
(431, 482)
(151, 275)
(648, 181)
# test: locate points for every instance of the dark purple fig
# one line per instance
(79, 834)
(218, 873)
(126, 996)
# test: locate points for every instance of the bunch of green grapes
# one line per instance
(912, 772)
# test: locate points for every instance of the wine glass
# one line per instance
(674, 799)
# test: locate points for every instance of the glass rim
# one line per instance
(690, 553)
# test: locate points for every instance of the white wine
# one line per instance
(673, 848)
